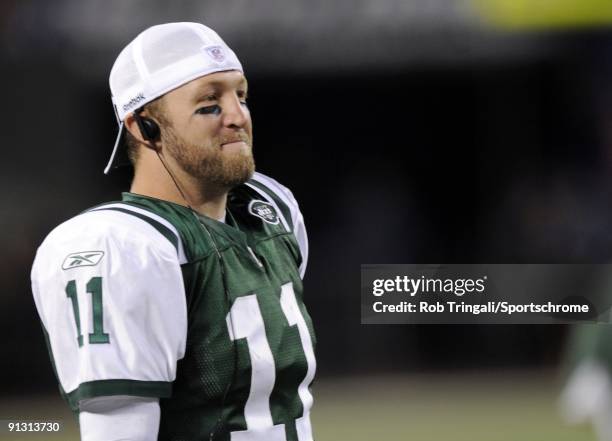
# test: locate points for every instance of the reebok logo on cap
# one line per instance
(133, 102)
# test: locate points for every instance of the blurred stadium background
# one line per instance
(411, 132)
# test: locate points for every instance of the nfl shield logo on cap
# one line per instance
(216, 53)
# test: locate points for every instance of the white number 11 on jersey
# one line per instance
(245, 321)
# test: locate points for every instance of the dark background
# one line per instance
(408, 135)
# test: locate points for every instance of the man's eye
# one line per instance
(209, 110)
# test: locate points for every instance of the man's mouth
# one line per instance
(233, 142)
(234, 145)
(237, 141)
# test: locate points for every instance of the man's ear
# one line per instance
(132, 126)
(138, 129)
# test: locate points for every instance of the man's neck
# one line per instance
(203, 199)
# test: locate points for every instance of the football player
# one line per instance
(177, 312)
(587, 394)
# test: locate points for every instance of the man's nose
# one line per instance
(235, 113)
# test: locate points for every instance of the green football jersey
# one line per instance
(240, 361)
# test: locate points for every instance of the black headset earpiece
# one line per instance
(148, 128)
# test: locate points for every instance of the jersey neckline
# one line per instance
(228, 229)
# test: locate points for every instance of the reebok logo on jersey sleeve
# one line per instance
(83, 258)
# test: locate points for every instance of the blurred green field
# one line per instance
(507, 406)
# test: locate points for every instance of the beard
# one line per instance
(208, 163)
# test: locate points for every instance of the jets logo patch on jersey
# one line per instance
(264, 211)
(83, 258)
